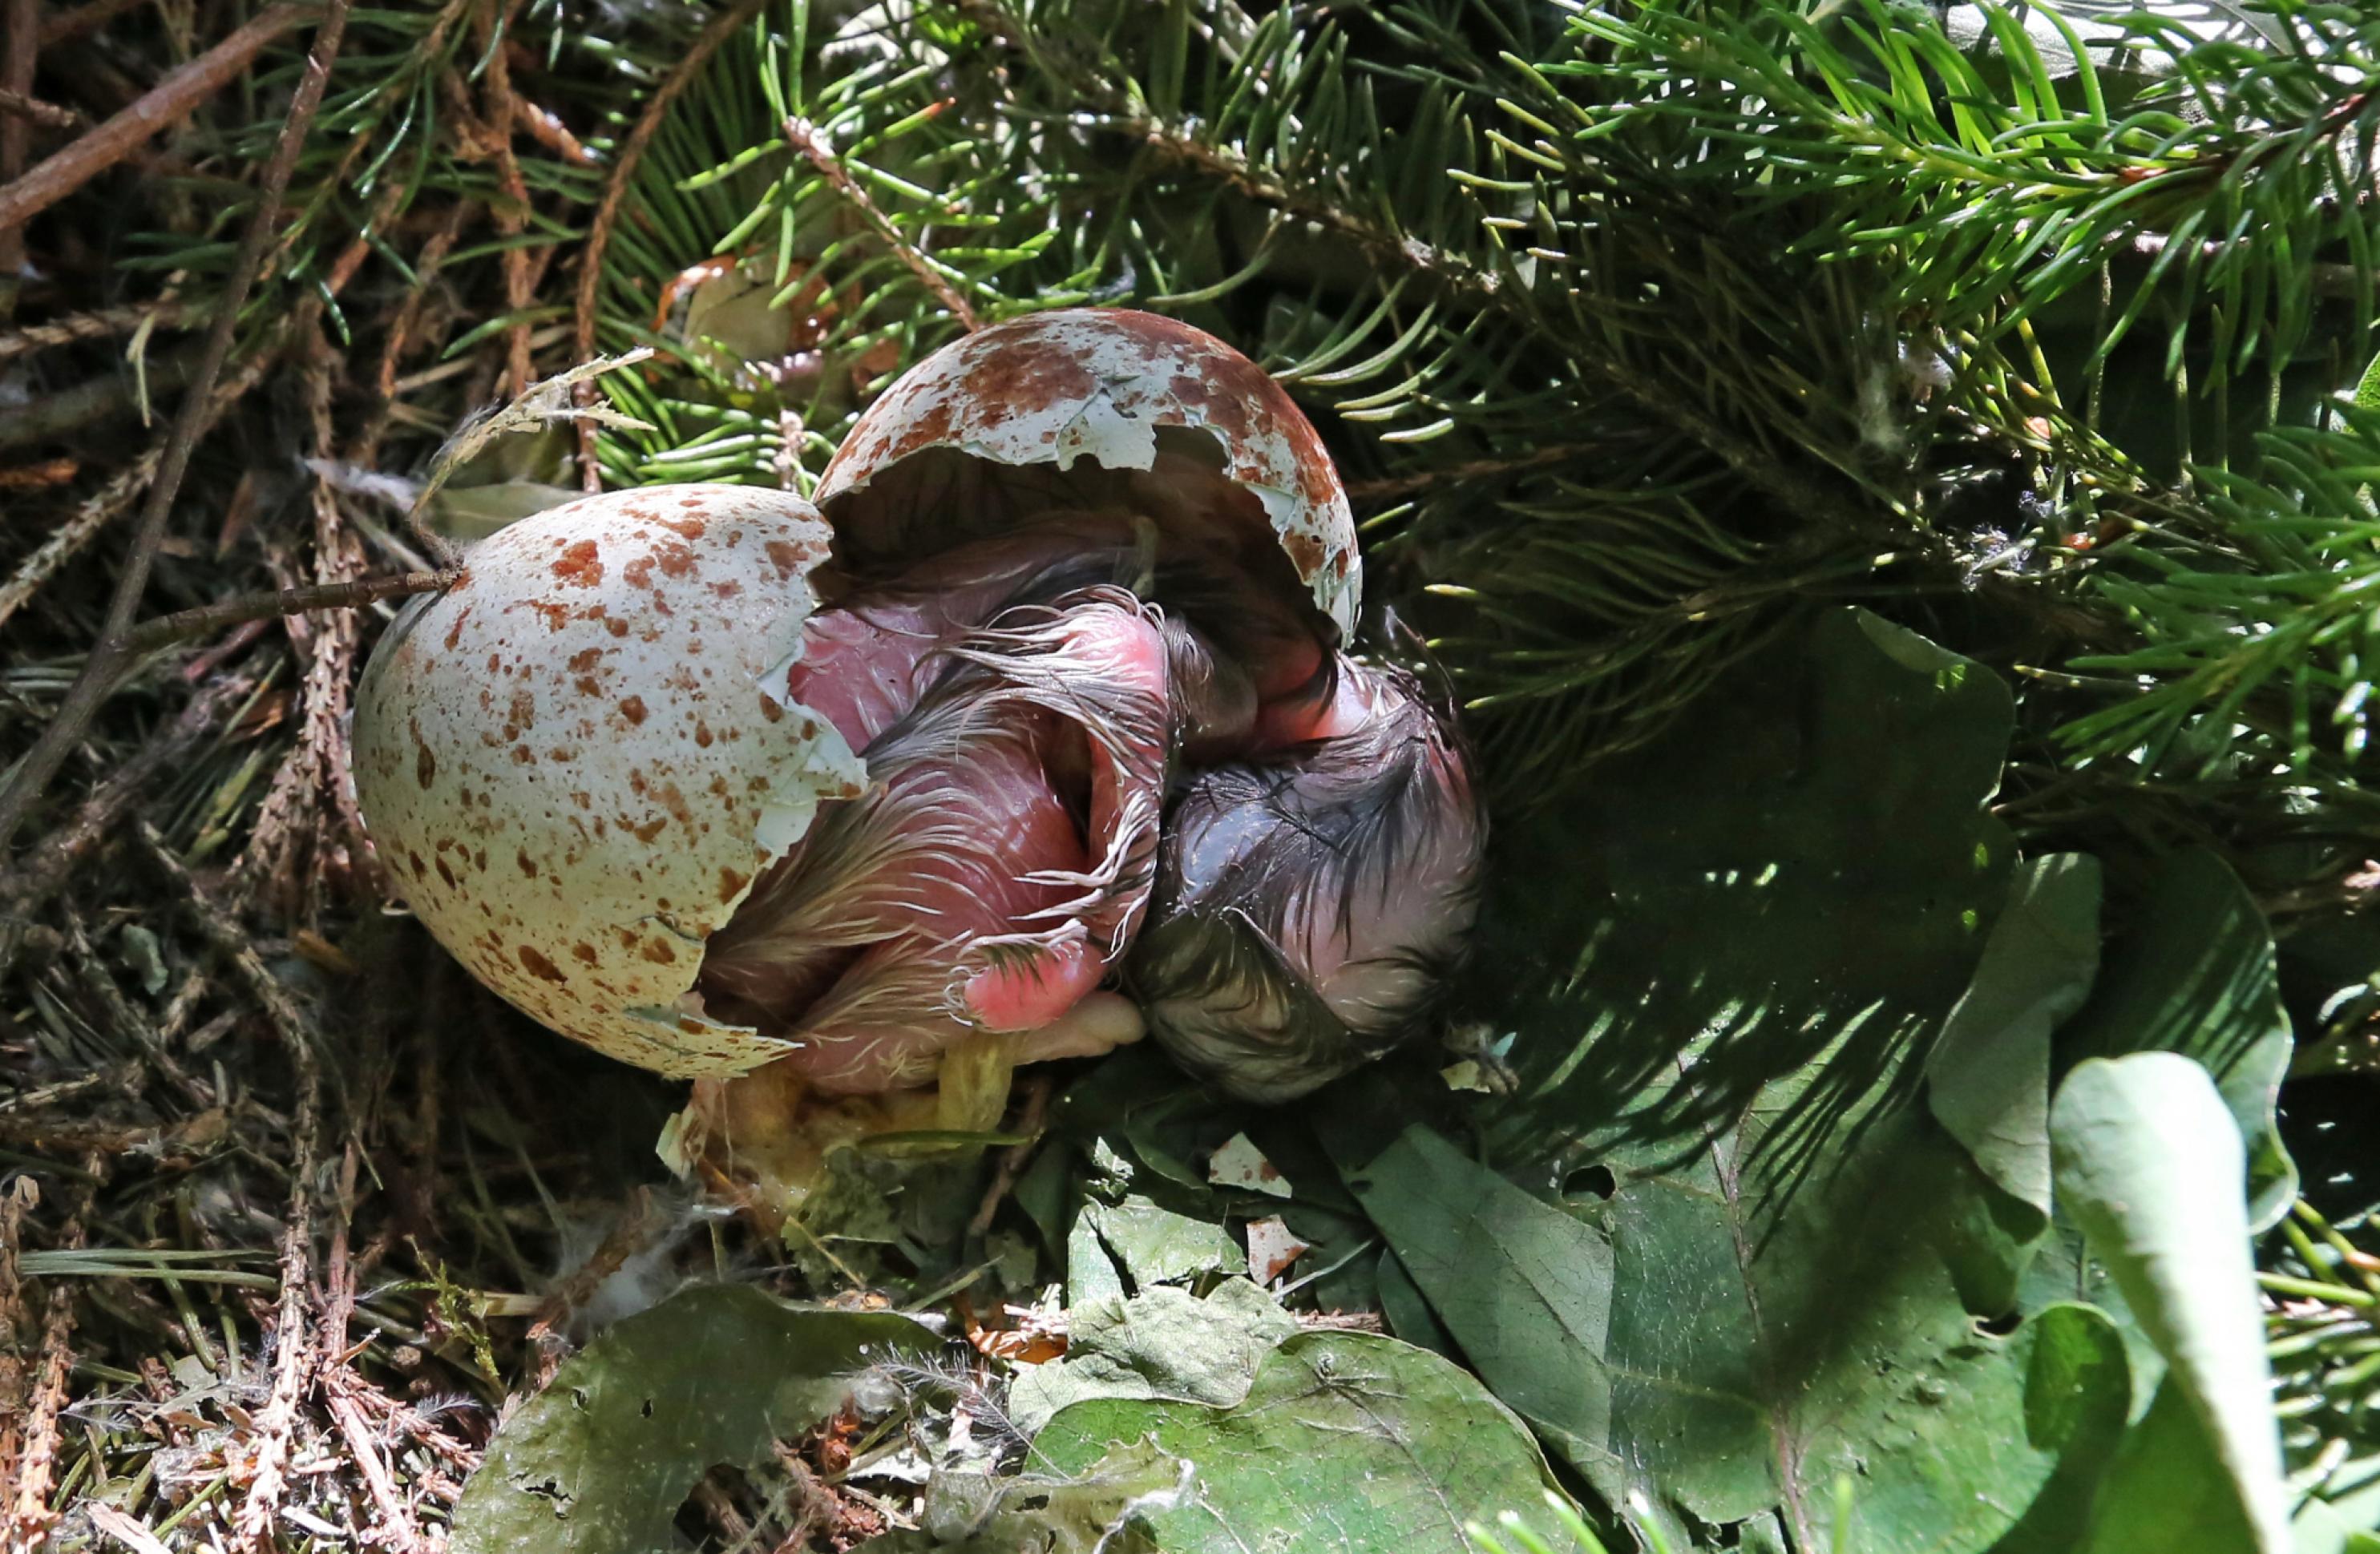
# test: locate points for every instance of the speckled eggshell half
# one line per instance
(1097, 383)
(573, 767)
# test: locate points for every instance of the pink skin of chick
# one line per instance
(1002, 858)
(1019, 708)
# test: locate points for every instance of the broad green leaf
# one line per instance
(1087, 1512)
(1726, 972)
(1135, 1226)
(1988, 1080)
(1406, 1310)
(2077, 1399)
(1155, 1244)
(1803, 861)
(1524, 1288)
(2165, 1492)
(2196, 975)
(600, 1461)
(2150, 1164)
(1163, 1342)
(1346, 1444)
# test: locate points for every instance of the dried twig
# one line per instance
(46, 867)
(127, 1020)
(165, 630)
(103, 505)
(108, 660)
(97, 324)
(365, 454)
(360, 247)
(20, 21)
(17, 103)
(29, 1517)
(639, 1226)
(293, 1356)
(496, 16)
(107, 397)
(545, 126)
(164, 104)
(19, 1200)
(40, 477)
(398, 1530)
(1013, 1160)
(615, 191)
(66, 26)
(314, 774)
(1397, 486)
(117, 1077)
(811, 141)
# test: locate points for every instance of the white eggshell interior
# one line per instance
(1072, 385)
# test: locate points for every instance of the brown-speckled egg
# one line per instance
(573, 765)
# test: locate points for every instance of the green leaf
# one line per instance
(1163, 1342)
(2166, 1491)
(2078, 1396)
(1346, 1444)
(2197, 976)
(1987, 1079)
(2367, 388)
(1804, 860)
(1087, 1512)
(600, 1461)
(1157, 1245)
(1742, 950)
(1135, 1227)
(2150, 1164)
(1526, 1289)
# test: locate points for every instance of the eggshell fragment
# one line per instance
(573, 765)
(1097, 385)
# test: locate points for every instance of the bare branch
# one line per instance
(165, 630)
(157, 110)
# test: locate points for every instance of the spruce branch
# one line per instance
(808, 139)
(615, 191)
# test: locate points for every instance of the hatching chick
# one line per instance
(1014, 717)
(1313, 901)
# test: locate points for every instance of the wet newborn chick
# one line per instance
(1022, 704)
(1314, 900)
(1012, 703)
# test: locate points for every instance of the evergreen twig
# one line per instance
(806, 139)
(616, 189)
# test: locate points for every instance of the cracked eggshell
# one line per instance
(573, 767)
(1089, 383)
